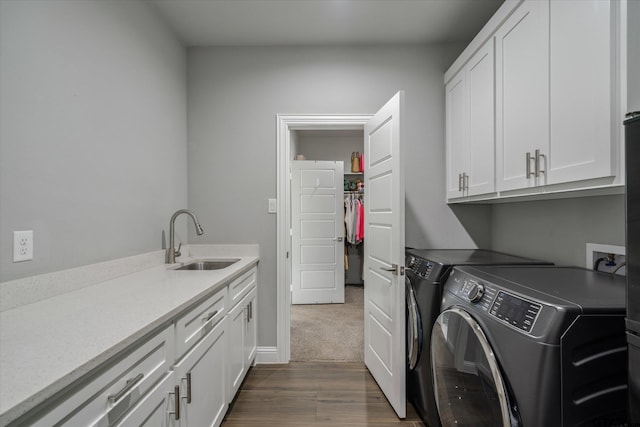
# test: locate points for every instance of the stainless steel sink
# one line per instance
(208, 265)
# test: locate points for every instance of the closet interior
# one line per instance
(346, 146)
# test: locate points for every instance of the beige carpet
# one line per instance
(321, 332)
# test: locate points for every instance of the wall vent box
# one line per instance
(609, 264)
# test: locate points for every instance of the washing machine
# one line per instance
(530, 347)
(426, 270)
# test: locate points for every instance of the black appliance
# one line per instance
(531, 347)
(426, 271)
(632, 203)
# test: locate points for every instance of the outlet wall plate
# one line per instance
(22, 246)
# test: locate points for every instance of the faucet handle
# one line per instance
(177, 251)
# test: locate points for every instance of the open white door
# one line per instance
(384, 323)
(317, 220)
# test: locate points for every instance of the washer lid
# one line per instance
(472, 257)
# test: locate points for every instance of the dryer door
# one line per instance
(468, 384)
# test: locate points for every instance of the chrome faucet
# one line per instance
(171, 250)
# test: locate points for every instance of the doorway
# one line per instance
(288, 132)
(327, 205)
(384, 293)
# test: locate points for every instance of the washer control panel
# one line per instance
(420, 266)
(515, 311)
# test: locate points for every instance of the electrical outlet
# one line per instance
(22, 246)
(607, 258)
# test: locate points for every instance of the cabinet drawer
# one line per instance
(114, 392)
(195, 325)
(155, 409)
(241, 287)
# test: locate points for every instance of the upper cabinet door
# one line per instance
(581, 88)
(481, 98)
(457, 116)
(522, 93)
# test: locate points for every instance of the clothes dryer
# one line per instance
(426, 270)
(530, 347)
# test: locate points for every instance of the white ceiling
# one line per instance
(323, 22)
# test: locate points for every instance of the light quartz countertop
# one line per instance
(46, 345)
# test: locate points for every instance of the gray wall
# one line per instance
(92, 131)
(558, 230)
(234, 95)
(633, 54)
(330, 145)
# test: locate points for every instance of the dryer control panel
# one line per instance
(511, 309)
(515, 311)
(477, 292)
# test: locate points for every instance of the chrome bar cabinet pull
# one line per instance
(131, 382)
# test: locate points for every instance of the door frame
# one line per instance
(286, 124)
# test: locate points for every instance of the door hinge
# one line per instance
(287, 254)
(291, 232)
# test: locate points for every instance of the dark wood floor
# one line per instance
(313, 394)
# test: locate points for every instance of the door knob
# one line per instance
(337, 239)
(394, 269)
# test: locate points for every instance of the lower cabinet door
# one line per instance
(200, 376)
(237, 320)
(251, 332)
(156, 409)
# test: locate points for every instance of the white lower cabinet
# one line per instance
(157, 408)
(193, 393)
(184, 375)
(201, 379)
(242, 341)
(251, 337)
(113, 393)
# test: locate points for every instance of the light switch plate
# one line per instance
(22, 246)
(272, 206)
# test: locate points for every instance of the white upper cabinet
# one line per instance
(580, 90)
(470, 127)
(522, 83)
(457, 142)
(545, 114)
(480, 83)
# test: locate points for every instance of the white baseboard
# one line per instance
(266, 355)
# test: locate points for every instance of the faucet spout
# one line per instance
(171, 251)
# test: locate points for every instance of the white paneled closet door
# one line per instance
(317, 235)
